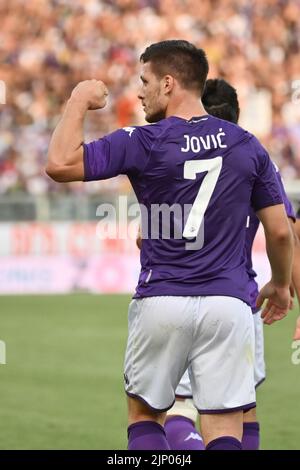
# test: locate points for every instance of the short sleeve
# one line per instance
(125, 151)
(287, 203)
(266, 190)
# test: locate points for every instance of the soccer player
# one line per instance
(190, 306)
(296, 274)
(220, 100)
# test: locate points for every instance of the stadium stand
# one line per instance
(46, 47)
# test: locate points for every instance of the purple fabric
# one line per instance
(224, 443)
(260, 382)
(182, 434)
(245, 408)
(147, 435)
(250, 439)
(154, 158)
(250, 235)
(133, 395)
(287, 203)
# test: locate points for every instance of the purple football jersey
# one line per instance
(250, 235)
(213, 168)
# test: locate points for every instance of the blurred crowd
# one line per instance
(48, 46)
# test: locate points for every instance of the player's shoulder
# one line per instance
(154, 129)
(244, 136)
(144, 135)
(237, 132)
(146, 131)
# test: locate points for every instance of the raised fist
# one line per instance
(91, 93)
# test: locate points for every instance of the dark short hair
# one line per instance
(181, 59)
(220, 100)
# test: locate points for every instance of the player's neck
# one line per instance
(186, 109)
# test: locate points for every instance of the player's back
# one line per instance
(206, 172)
(202, 172)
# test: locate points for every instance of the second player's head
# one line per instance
(220, 100)
(169, 68)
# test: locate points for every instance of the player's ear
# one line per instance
(168, 84)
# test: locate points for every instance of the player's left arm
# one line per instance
(65, 154)
(267, 202)
(296, 258)
(296, 270)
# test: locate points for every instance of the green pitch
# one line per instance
(62, 386)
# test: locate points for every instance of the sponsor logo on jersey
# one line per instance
(129, 130)
(193, 435)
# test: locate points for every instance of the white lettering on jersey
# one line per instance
(193, 435)
(213, 168)
(197, 120)
(149, 276)
(129, 130)
(195, 144)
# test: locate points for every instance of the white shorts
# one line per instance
(184, 389)
(213, 336)
(259, 358)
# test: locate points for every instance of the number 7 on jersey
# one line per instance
(213, 167)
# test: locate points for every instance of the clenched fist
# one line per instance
(91, 93)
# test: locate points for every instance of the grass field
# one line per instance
(62, 386)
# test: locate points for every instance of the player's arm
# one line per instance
(267, 201)
(296, 263)
(296, 258)
(279, 245)
(65, 154)
(296, 270)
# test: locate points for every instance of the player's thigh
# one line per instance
(159, 339)
(222, 359)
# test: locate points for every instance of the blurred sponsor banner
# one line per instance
(64, 238)
(61, 274)
(63, 257)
